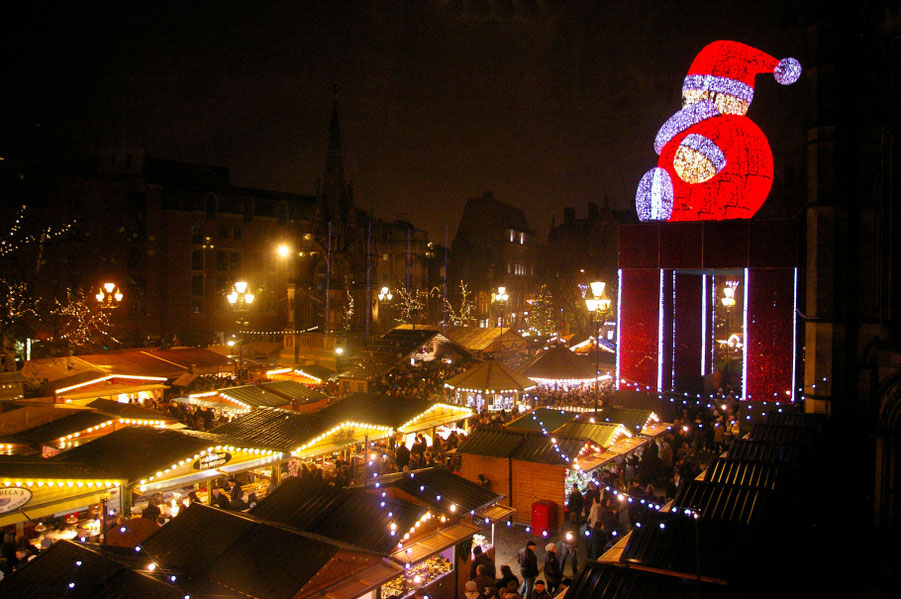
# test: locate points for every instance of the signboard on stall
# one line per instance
(12, 498)
(212, 460)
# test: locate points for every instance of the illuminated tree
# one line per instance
(464, 314)
(543, 313)
(75, 323)
(348, 317)
(410, 305)
(21, 256)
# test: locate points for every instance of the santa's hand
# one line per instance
(682, 120)
(654, 197)
(698, 159)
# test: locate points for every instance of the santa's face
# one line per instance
(725, 103)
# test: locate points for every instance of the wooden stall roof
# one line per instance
(559, 363)
(99, 575)
(255, 396)
(492, 377)
(253, 556)
(617, 450)
(439, 541)
(438, 488)
(128, 410)
(549, 419)
(294, 391)
(353, 516)
(606, 581)
(273, 428)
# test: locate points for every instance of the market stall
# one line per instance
(560, 369)
(491, 386)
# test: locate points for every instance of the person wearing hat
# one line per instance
(528, 567)
(471, 590)
(540, 591)
(552, 570)
(715, 163)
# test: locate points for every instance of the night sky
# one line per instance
(547, 103)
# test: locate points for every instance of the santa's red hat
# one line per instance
(730, 67)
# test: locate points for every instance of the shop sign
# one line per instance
(212, 460)
(12, 498)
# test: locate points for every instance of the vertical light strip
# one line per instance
(660, 336)
(711, 337)
(703, 324)
(794, 336)
(619, 323)
(744, 347)
(672, 380)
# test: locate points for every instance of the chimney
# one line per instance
(592, 211)
(569, 215)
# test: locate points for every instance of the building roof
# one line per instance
(197, 360)
(430, 484)
(490, 443)
(133, 363)
(318, 371)
(273, 428)
(745, 473)
(373, 408)
(252, 556)
(97, 575)
(720, 501)
(490, 376)
(747, 449)
(478, 339)
(547, 419)
(559, 363)
(667, 541)
(255, 396)
(783, 434)
(353, 516)
(128, 410)
(294, 391)
(518, 445)
(135, 452)
(74, 422)
(604, 581)
(602, 434)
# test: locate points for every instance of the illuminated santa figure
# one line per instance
(715, 163)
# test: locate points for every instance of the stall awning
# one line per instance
(624, 447)
(111, 390)
(439, 541)
(357, 584)
(62, 499)
(495, 513)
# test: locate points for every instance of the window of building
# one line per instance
(225, 231)
(197, 286)
(196, 306)
(196, 234)
(522, 239)
(234, 261)
(509, 268)
(197, 260)
(221, 260)
(211, 206)
(221, 285)
(512, 235)
(236, 232)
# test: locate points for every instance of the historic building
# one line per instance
(495, 247)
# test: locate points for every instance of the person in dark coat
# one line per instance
(478, 559)
(402, 456)
(597, 540)
(528, 567)
(553, 573)
(507, 576)
(541, 591)
(575, 503)
(220, 499)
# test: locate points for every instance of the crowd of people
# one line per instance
(422, 381)
(582, 396)
(485, 583)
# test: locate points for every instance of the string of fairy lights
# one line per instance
(15, 242)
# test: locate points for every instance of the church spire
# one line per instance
(335, 202)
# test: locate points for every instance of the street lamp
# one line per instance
(240, 299)
(597, 305)
(385, 295)
(109, 297)
(500, 298)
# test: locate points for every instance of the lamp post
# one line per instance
(384, 296)
(240, 298)
(109, 297)
(500, 298)
(728, 301)
(597, 305)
